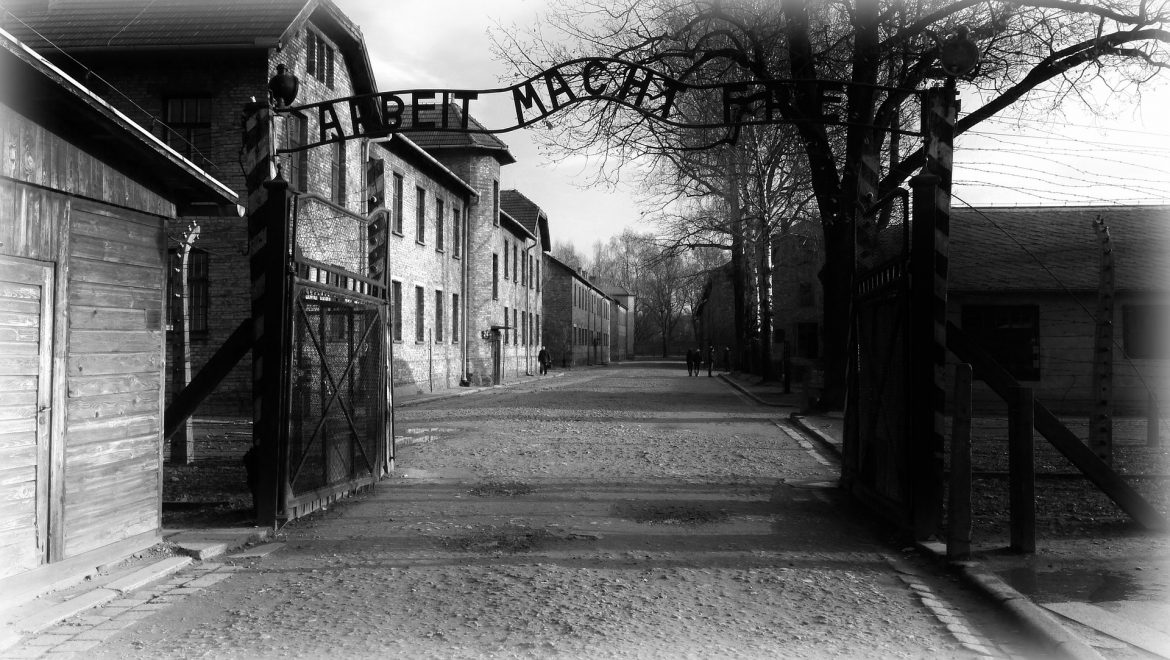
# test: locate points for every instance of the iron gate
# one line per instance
(337, 397)
(878, 406)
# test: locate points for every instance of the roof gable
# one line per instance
(432, 140)
(527, 213)
(1057, 248)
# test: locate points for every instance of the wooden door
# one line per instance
(26, 350)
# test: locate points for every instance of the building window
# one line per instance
(808, 340)
(398, 204)
(396, 310)
(456, 232)
(805, 295)
(454, 318)
(197, 288)
(515, 263)
(496, 203)
(495, 276)
(515, 324)
(506, 328)
(337, 174)
(439, 325)
(539, 330)
(296, 164)
(420, 215)
(507, 250)
(1008, 333)
(420, 308)
(440, 217)
(524, 328)
(538, 275)
(189, 122)
(1144, 331)
(319, 57)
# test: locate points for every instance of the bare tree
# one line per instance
(1037, 52)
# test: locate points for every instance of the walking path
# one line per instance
(80, 618)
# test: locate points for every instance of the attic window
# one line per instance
(319, 58)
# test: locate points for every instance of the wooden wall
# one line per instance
(102, 236)
(115, 360)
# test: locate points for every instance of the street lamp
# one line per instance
(958, 54)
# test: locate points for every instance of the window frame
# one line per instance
(439, 322)
(440, 219)
(399, 192)
(420, 215)
(396, 311)
(420, 311)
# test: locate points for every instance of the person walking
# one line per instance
(690, 362)
(545, 359)
(710, 359)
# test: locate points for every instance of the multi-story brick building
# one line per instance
(504, 296)
(186, 70)
(577, 316)
(621, 323)
(428, 207)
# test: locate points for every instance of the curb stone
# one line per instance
(1039, 622)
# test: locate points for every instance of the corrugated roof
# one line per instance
(432, 140)
(1056, 248)
(129, 24)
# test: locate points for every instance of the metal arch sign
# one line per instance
(635, 86)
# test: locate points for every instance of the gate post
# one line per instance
(268, 249)
(928, 304)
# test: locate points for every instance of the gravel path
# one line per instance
(622, 513)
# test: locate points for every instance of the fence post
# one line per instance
(959, 502)
(1021, 470)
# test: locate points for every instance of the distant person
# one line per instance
(698, 360)
(690, 362)
(545, 360)
(710, 359)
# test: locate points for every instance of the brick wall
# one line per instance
(436, 362)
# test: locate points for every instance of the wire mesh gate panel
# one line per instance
(337, 396)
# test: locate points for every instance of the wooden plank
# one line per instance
(23, 493)
(115, 505)
(18, 405)
(105, 295)
(94, 454)
(51, 476)
(18, 349)
(102, 430)
(97, 219)
(11, 519)
(1113, 625)
(15, 440)
(111, 405)
(13, 475)
(18, 334)
(120, 478)
(112, 363)
(13, 284)
(127, 275)
(86, 540)
(108, 318)
(19, 455)
(24, 425)
(18, 365)
(114, 250)
(115, 341)
(20, 314)
(84, 386)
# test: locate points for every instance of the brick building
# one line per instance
(186, 70)
(577, 317)
(428, 207)
(621, 323)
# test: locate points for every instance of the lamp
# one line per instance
(283, 87)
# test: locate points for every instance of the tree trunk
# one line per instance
(837, 282)
(735, 222)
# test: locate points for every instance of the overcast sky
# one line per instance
(1076, 159)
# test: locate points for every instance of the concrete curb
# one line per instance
(1042, 625)
(725, 378)
(464, 391)
(819, 435)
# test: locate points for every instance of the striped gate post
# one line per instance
(379, 270)
(928, 276)
(268, 218)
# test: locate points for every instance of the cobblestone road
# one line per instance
(628, 512)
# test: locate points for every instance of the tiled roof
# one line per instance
(431, 140)
(129, 24)
(1057, 248)
(524, 210)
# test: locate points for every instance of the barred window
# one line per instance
(396, 310)
(198, 284)
(319, 57)
(188, 120)
(438, 316)
(397, 222)
(420, 215)
(420, 308)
